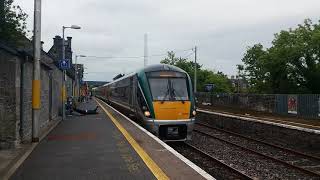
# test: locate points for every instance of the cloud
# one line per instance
(222, 30)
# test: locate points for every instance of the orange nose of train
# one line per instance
(172, 110)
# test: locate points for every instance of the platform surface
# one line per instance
(302, 124)
(95, 147)
(84, 147)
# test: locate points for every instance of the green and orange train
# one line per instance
(159, 96)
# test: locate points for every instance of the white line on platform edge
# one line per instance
(261, 121)
(170, 149)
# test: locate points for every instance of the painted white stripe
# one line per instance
(170, 149)
(261, 121)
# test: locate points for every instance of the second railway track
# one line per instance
(298, 161)
(212, 165)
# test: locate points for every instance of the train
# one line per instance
(160, 97)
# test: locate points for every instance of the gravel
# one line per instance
(292, 158)
(253, 165)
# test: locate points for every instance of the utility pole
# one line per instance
(75, 77)
(36, 71)
(195, 69)
(145, 49)
(63, 77)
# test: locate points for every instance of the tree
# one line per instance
(12, 22)
(204, 76)
(290, 65)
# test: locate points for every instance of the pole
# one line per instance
(195, 69)
(75, 76)
(145, 49)
(63, 78)
(36, 71)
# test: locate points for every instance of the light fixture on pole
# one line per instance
(64, 71)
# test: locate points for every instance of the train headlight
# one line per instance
(147, 113)
(194, 112)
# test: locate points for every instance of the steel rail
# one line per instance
(237, 172)
(262, 142)
(260, 154)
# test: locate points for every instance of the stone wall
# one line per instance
(8, 100)
(16, 74)
(46, 103)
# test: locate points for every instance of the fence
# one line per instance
(300, 105)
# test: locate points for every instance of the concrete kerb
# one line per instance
(16, 162)
(262, 121)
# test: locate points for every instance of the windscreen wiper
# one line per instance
(167, 93)
(174, 94)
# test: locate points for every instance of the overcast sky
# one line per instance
(222, 29)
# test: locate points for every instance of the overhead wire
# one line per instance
(134, 57)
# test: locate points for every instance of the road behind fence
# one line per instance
(300, 105)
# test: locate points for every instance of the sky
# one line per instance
(222, 30)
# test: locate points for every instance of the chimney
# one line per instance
(69, 42)
(42, 45)
(57, 41)
(68, 48)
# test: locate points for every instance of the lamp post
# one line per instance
(76, 74)
(64, 71)
(195, 69)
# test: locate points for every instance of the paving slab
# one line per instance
(84, 147)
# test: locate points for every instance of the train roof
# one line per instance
(151, 68)
(162, 67)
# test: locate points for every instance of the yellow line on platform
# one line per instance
(155, 169)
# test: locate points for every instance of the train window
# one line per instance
(160, 88)
(165, 89)
(179, 89)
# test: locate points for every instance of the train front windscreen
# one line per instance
(169, 89)
(168, 86)
(170, 94)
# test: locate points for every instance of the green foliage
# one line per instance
(290, 65)
(13, 22)
(204, 76)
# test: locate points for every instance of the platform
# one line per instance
(104, 146)
(309, 125)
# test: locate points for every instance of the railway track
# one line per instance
(296, 160)
(212, 165)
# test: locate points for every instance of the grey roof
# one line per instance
(162, 67)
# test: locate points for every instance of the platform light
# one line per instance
(147, 113)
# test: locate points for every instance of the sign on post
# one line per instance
(292, 104)
(64, 64)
